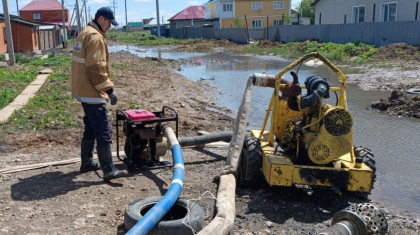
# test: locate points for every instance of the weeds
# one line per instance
(14, 82)
(118, 66)
(144, 38)
(334, 52)
(53, 107)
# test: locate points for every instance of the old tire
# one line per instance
(250, 162)
(185, 217)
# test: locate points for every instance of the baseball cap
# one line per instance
(107, 13)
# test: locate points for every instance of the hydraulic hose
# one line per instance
(158, 211)
(205, 139)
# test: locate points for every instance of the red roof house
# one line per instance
(44, 12)
(190, 13)
(190, 16)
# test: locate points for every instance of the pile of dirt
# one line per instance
(399, 104)
(268, 44)
(397, 50)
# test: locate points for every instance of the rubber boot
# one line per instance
(87, 156)
(108, 168)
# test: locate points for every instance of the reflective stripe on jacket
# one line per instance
(90, 76)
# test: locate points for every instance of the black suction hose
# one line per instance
(205, 139)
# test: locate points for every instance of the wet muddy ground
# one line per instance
(60, 200)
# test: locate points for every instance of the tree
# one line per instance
(287, 19)
(237, 22)
(305, 9)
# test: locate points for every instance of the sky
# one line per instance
(136, 9)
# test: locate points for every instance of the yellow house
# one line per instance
(258, 13)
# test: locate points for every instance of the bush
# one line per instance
(22, 58)
(369, 54)
(2, 57)
(152, 37)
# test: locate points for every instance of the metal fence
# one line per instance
(376, 33)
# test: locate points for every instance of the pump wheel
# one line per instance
(250, 162)
(367, 156)
(185, 217)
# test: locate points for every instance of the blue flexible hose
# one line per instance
(155, 215)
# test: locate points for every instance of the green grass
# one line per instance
(144, 38)
(14, 81)
(334, 52)
(52, 107)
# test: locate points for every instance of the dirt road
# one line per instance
(60, 200)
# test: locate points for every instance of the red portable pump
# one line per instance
(144, 142)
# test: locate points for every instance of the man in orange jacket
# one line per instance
(91, 85)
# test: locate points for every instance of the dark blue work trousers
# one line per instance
(97, 125)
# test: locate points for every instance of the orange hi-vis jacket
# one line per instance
(90, 76)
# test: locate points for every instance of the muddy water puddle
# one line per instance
(393, 140)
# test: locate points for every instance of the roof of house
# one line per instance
(135, 24)
(315, 2)
(190, 13)
(43, 5)
(19, 20)
(55, 22)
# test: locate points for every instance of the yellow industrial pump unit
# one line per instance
(309, 141)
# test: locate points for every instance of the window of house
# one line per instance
(389, 12)
(278, 5)
(257, 6)
(207, 9)
(277, 22)
(4, 35)
(228, 7)
(359, 14)
(37, 16)
(256, 24)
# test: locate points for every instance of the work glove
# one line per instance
(113, 97)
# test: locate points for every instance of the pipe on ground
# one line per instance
(224, 220)
(205, 139)
(157, 212)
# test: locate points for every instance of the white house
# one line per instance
(358, 11)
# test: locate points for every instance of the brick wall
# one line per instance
(45, 16)
(3, 45)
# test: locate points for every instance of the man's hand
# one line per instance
(113, 97)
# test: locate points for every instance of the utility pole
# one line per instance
(86, 18)
(89, 13)
(78, 17)
(17, 7)
(8, 33)
(113, 2)
(157, 18)
(126, 23)
(81, 13)
(301, 11)
(64, 25)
